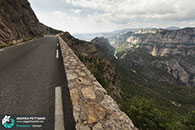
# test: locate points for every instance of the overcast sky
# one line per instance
(90, 16)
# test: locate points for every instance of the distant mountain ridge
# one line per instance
(91, 36)
(19, 23)
(110, 35)
(173, 28)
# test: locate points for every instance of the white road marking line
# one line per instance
(1, 49)
(57, 53)
(59, 115)
(20, 44)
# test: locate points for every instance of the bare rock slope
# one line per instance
(19, 23)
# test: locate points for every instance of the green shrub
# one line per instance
(146, 115)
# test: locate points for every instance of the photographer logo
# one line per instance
(8, 122)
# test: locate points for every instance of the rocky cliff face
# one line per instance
(182, 36)
(19, 23)
(161, 55)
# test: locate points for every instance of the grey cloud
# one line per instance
(104, 15)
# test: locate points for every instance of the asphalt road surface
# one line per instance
(29, 74)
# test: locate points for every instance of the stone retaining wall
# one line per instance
(93, 108)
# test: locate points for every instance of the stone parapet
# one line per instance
(93, 108)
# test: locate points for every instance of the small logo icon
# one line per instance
(8, 122)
